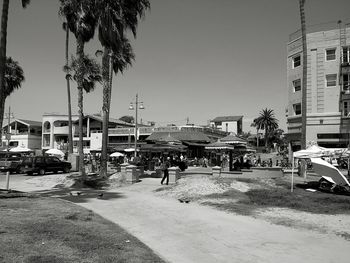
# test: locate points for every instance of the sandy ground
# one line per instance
(192, 232)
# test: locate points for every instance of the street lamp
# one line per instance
(131, 107)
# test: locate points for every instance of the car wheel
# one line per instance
(66, 169)
(42, 171)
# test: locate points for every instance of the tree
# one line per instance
(114, 19)
(267, 121)
(255, 124)
(13, 79)
(304, 84)
(127, 118)
(81, 21)
(66, 69)
(3, 42)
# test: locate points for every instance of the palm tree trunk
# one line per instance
(4, 19)
(105, 110)
(2, 112)
(80, 55)
(257, 138)
(266, 135)
(304, 84)
(70, 132)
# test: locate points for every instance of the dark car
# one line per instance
(10, 164)
(43, 164)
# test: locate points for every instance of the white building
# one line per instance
(228, 124)
(23, 133)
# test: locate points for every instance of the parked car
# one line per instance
(43, 164)
(10, 164)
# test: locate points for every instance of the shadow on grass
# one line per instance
(80, 195)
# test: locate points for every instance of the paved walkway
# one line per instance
(181, 232)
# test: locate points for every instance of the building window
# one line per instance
(297, 108)
(296, 61)
(346, 83)
(330, 54)
(346, 109)
(297, 85)
(346, 55)
(331, 80)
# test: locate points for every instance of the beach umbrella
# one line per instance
(55, 152)
(329, 172)
(131, 150)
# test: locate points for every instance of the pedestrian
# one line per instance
(164, 166)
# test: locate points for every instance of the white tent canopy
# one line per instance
(313, 151)
(20, 149)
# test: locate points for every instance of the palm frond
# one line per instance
(25, 3)
(89, 69)
(14, 76)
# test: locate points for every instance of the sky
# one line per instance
(195, 59)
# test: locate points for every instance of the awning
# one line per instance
(163, 148)
(195, 144)
(219, 146)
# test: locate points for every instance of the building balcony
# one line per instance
(61, 130)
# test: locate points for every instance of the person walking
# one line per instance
(165, 166)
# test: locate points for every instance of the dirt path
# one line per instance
(181, 232)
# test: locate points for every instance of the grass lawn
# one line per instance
(35, 230)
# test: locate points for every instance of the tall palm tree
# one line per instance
(81, 20)
(115, 18)
(66, 69)
(3, 42)
(267, 121)
(304, 84)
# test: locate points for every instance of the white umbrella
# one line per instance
(116, 154)
(329, 172)
(20, 149)
(131, 150)
(55, 152)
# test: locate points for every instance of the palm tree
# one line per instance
(4, 19)
(66, 69)
(116, 61)
(115, 17)
(267, 121)
(304, 84)
(81, 21)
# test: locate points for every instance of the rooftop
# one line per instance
(179, 135)
(227, 118)
(330, 25)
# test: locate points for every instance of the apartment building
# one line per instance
(22, 133)
(328, 89)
